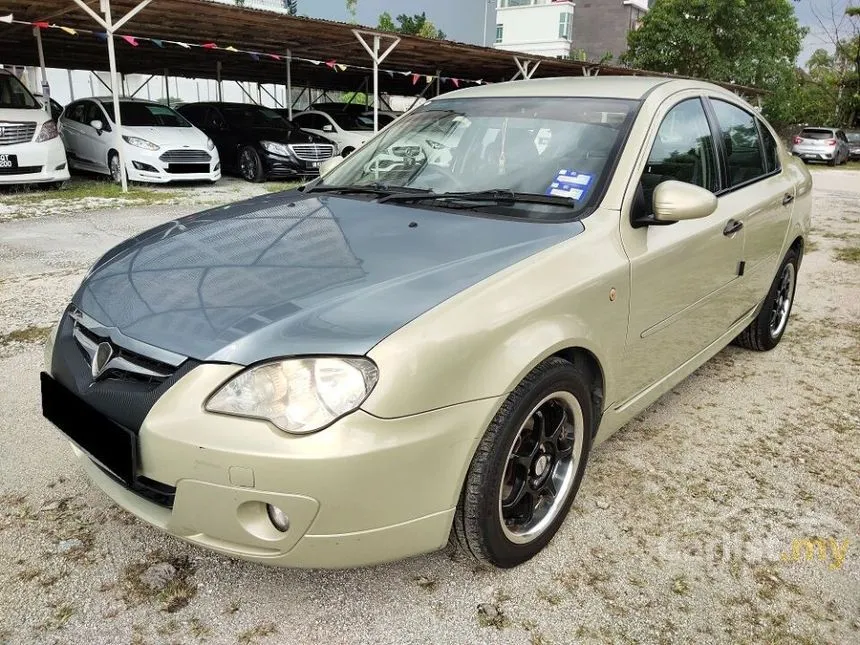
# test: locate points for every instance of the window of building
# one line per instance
(742, 143)
(564, 24)
(500, 33)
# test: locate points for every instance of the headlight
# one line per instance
(276, 148)
(137, 142)
(299, 395)
(210, 145)
(48, 132)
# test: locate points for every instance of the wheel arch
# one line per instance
(582, 357)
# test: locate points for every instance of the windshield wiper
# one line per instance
(369, 189)
(497, 196)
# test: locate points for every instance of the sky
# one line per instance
(463, 20)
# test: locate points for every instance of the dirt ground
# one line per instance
(690, 525)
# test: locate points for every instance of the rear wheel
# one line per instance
(528, 467)
(250, 165)
(765, 332)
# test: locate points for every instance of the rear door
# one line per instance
(757, 190)
(684, 277)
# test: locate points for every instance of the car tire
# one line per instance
(518, 465)
(250, 165)
(765, 332)
(113, 167)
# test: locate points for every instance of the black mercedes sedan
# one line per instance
(257, 143)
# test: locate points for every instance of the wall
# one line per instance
(534, 28)
(601, 26)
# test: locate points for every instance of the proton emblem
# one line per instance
(101, 359)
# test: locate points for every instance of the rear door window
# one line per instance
(743, 148)
(771, 149)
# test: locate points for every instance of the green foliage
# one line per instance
(357, 98)
(416, 25)
(352, 8)
(749, 42)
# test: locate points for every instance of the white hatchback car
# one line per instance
(30, 150)
(160, 145)
(347, 129)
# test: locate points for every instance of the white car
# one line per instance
(160, 145)
(30, 149)
(349, 130)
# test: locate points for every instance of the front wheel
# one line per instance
(765, 332)
(250, 165)
(114, 167)
(528, 467)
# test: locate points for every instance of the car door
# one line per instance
(71, 124)
(757, 190)
(226, 137)
(94, 144)
(684, 276)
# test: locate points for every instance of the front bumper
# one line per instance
(281, 166)
(363, 491)
(37, 162)
(147, 166)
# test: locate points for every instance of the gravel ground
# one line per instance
(682, 532)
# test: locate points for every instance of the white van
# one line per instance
(31, 150)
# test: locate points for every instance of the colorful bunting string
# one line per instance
(332, 64)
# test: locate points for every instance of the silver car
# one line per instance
(821, 144)
(853, 144)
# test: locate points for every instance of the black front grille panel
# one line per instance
(122, 397)
(186, 156)
(21, 170)
(134, 358)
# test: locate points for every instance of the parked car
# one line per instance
(853, 137)
(336, 375)
(159, 144)
(821, 144)
(56, 108)
(256, 143)
(349, 130)
(30, 147)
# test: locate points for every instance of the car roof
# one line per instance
(122, 99)
(622, 87)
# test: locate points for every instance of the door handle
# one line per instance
(732, 227)
(787, 199)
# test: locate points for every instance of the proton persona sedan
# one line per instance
(345, 374)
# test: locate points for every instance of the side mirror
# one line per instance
(97, 125)
(675, 201)
(328, 128)
(330, 164)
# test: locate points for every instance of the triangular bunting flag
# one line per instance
(330, 64)
(456, 82)
(131, 40)
(183, 45)
(157, 42)
(69, 30)
(315, 62)
(101, 35)
(430, 78)
(342, 67)
(274, 57)
(415, 78)
(254, 55)
(390, 73)
(209, 46)
(7, 19)
(41, 25)
(230, 48)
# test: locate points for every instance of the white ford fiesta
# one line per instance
(30, 150)
(159, 144)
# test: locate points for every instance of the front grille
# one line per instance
(187, 168)
(12, 133)
(129, 366)
(313, 151)
(186, 156)
(21, 170)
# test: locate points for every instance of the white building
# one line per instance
(558, 28)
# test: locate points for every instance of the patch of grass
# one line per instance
(88, 188)
(549, 596)
(680, 585)
(427, 584)
(31, 334)
(280, 186)
(262, 630)
(198, 629)
(851, 165)
(174, 596)
(849, 254)
(58, 619)
(811, 246)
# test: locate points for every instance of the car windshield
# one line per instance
(13, 94)
(853, 137)
(348, 121)
(253, 116)
(511, 148)
(146, 114)
(811, 133)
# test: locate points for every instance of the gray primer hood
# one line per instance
(295, 274)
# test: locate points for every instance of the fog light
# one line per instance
(145, 167)
(62, 166)
(278, 518)
(218, 166)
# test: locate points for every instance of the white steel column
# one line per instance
(110, 27)
(289, 100)
(526, 67)
(377, 58)
(46, 89)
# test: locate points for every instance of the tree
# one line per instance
(352, 9)
(739, 41)
(416, 25)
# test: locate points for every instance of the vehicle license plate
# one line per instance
(8, 161)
